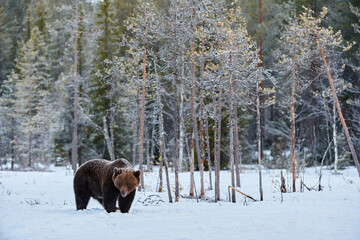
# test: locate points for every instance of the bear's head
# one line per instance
(126, 180)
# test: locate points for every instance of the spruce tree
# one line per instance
(108, 46)
(4, 41)
(33, 103)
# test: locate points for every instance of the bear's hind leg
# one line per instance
(82, 199)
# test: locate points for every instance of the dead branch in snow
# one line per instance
(243, 193)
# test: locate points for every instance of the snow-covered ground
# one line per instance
(40, 205)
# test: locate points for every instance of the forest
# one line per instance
(185, 85)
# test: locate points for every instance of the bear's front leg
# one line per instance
(110, 196)
(125, 203)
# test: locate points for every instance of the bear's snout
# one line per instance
(123, 194)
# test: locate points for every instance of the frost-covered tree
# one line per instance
(241, 58)
(303, 40)
(325, 38)
(61, 59)
(7, 123)
(130, 78)
(227, 59)
(34, 103)
(176, 69)
(298, 52)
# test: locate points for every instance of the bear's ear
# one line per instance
(137, 174)
(117, 171)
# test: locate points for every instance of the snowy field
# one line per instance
(40, 205)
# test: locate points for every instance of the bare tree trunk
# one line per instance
(202, 150)
(182, 130)
(240, 158)
(348, 138)
(74, 151)
(217, 137)
(161, 170)
(166, 172)
(192, 144)
(327, 114)
(162, 139)
(142, 121)
(148, 154)
(198, 150)
(136, 128)
(314, 139)
(152, 148)
(196, 139)
(161, 130)
(208, 150)
(217, 133)
(29, 147)
(217, 192)
(193, 116)
(163, 157)
(112, 133)
(142, 124)
(236, 130)
(12, 149)
(283, 185)
(259, 138)
(181, 126)
(231, 123)
(335, 140)
(258, 102)
(176, 114)
(108, 141)
(112, 120)
(192, 182)
(260, 64)
(187, 148)
(202, 140)
(293, 160)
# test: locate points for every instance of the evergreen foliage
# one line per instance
(197, 47)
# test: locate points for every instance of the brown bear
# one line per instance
(107, 182)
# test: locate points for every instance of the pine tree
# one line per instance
(296, 43)
(131, 80)
(34, 104)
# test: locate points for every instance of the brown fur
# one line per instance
(107, 182)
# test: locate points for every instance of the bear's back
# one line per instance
(121, 163)
(101, 168)
(92, 170)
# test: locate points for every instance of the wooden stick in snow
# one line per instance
(308, 188)
(243, 194)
